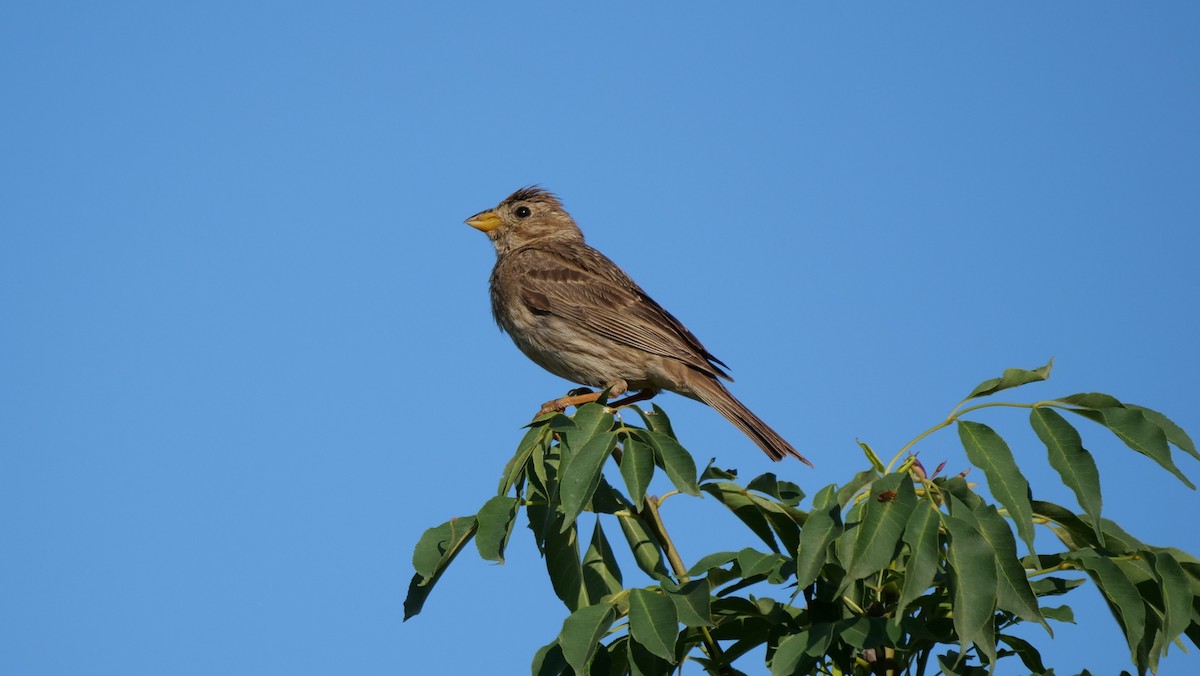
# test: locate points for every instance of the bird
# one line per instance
(575, 313)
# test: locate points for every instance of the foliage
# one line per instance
(896, 570)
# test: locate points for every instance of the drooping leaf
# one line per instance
(754, 563)
(582, 475)
(440, 544)
(921, 536)
(1053, 586)
(653, 623)
(823, 526)
(1011, 378)
(1132, 427)
(785, 492)
(601, 573)
(973, 575)
(581, 634)
(642, 662)
(1175, 433)
(872, 457)
(1073, 531)
(1121, 593)
(1062, 614)
(549, 661)
(675, 461)
(562, 562)
(1013, 592)
(792, 656)
(711, 561)
(657, 420)
(884, 517)
(692, 601)
(646, 551)
(590, 420)
(986, 450)
(637, 467)
(1025, 650)
(496, 519)
(435, 551)
(743, 507)
(1176, 593)
(515, 468)
(1071, 460)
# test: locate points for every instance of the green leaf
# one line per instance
(581, 634)
(1138, 433)
(869, 632)
(1053, 586)
(440, 544)
(848, 490)
(675, 461)
(710, 561)
(1122, 595)
(644, 663)
(1071, 460)
(435, 552)
(754, 563)
(1092, 400)
(653, 623)
(713, 472)
(1175, 433)
(645, 548)
(1176, 593)
(549, 661)
(924, 553)
(884, 516)
(791, 657)
(1025, 650)
(562, 563)
(1078, 535)
(824, 525)
(743, 507)
(582, 475)
(657, 420)
(601, 574)
(515, 467)
(1013, 592)
(986, 450)
(496, 519)
(1011, 378)
(1059, 613)
(972, 568)
(591, 420)
(785, 492)
(637, 467)
(692, 602)
(872, 457)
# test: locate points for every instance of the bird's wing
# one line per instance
(581, 284)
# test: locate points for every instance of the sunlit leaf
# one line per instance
(653, 622)
(1013, 592)
(582, 475)
(675, 461)
(601, 573)
(562, 562)
(921, 536)
(1069, 458)
(986, 450)
(785, 492)
(496, 519)
(581, 634)
(973, 574)
(435, 551)
(823, 526)
(1138, 433)
(692, 601)
(1062, 614)
(645, 548)
(884, 517)
(515, 467)
(1175, 433)
(1011, 378)
(637, 467)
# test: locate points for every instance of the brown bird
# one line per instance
(575, 313)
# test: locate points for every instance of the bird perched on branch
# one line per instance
(575, 313)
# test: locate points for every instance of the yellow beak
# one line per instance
(485, 221)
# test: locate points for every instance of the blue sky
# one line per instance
(247, 353)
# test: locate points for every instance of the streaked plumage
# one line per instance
(575, 313)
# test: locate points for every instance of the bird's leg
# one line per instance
(642, 395)
(559, 405)
(572, 399)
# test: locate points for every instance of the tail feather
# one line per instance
(713, 392)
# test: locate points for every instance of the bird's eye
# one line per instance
(522, 212)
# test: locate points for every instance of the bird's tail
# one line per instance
(712, 392)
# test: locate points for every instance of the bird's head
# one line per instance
(528, 216)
